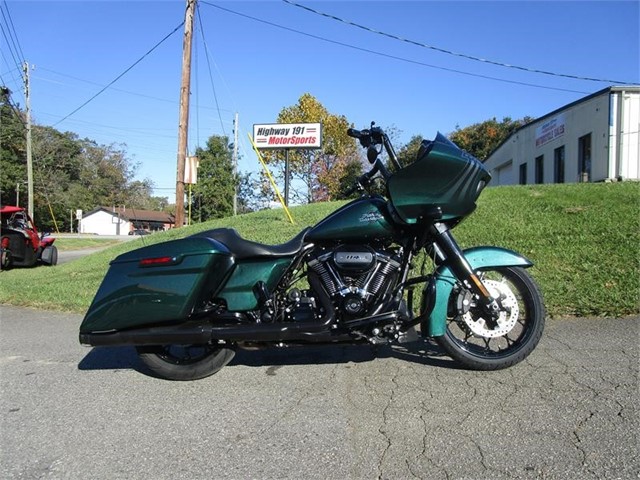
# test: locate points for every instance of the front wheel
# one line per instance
(185, 362)
(481, 345)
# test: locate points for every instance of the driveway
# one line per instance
(570, 411)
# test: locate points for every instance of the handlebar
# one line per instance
(375, 136)
(369, 139)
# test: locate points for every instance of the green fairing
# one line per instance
(479, 258)
(238, 291)
(444, 177)
(360, 221)
(133, 295)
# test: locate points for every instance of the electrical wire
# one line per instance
(14, 36)
(206, 52)
(11, 38)
(11, 50)
(122, 74)
(394, 57)
(450, 52)
(14, 107)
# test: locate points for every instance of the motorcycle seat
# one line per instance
(242, 248)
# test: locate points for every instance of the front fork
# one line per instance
(447, 250)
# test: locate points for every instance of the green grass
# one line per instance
(69, 243)
(583, 239)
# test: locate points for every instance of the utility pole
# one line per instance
(235, 163)
(183, 122)
(27, 96)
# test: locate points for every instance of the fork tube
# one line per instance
(456, 261)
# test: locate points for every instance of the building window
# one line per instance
(584, 158)
(558, 165)
(540, 169)
(523, 174)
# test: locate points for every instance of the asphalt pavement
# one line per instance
(570, 411)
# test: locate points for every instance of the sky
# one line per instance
(255, 58)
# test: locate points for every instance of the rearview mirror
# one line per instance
(372, 154)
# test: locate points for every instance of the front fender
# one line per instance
(479, 258)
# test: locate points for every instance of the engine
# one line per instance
(355, 276)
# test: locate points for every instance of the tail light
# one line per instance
(158, 262)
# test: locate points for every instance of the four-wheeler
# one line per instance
(20, 243)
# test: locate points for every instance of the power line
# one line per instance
(13, 34)
(142, 95)
(206, 52)
(13, 107)
(7, 40)
(123, 73)
(394, 57)
(450, 52)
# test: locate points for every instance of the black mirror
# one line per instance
(372, 154)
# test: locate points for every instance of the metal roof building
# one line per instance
(593, 139)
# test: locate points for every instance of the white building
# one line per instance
(591, 140)
(120, 221)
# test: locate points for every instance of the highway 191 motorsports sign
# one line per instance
(288, 135)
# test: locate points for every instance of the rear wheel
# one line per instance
(481, 345)
(185, 362)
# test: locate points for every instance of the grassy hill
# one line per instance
(583, 239)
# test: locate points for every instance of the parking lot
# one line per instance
(569, 411)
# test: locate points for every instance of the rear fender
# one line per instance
(46, 241)
(479, 258)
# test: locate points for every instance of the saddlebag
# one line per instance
(158, 284)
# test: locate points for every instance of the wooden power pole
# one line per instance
(183, 125)
(27, 95)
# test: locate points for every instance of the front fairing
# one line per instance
(444, 183)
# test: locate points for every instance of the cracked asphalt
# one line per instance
(570, 411)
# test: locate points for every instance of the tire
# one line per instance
(5, 259)
(185, 362)
(49, 255)
(473, 344)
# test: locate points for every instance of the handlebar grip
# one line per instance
(352, 132)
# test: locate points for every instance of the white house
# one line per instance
(591, 140)
(121, 221)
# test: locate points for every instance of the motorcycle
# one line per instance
(187, 305)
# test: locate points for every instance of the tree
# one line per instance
(69, 173)
(250, 195)
(480, 139)
(213, 194)
(13, 160)
(407, 153)
(320, 171)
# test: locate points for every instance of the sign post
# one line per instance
(287, 136)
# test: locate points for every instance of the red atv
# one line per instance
(20, 244)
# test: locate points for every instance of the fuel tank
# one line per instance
(358, 221)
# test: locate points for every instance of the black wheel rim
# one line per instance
(502, 346)
(185, 354)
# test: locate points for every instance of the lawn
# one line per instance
(584, 240)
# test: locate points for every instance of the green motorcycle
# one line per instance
(187, 305)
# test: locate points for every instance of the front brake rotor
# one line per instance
(509, 311)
